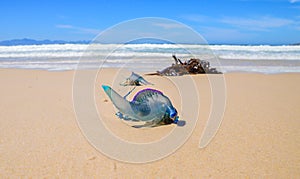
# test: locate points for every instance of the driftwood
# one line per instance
(192, 66)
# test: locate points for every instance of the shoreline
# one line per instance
(145, 72)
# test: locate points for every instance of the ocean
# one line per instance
(151, 57)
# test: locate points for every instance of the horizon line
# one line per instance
(29, 41)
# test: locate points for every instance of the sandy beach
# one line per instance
(258, 138)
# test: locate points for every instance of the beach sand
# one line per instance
(259, 135)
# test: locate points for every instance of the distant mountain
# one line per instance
(26, 41)
(296, 44)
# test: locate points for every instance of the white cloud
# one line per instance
(79, 29)
(261, 23)
(216, 34)
(293, 1)
(256, 23)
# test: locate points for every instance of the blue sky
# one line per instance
(221, 22)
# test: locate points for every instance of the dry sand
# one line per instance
(259, 136)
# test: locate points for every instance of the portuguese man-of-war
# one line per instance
(135, 80)
(148, 105)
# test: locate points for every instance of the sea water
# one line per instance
(151, 57)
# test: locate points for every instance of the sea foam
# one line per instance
(151, 57)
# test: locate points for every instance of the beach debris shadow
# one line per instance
(181, 123)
